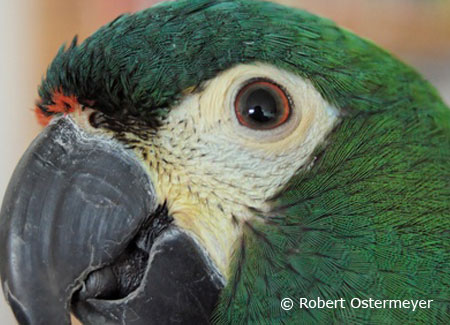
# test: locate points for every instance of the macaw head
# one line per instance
(209, 157)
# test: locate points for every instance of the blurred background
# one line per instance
(417, 31)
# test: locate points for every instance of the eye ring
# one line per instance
(262, 104)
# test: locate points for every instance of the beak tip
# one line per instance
(18, 309)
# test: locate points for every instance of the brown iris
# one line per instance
(262, 105)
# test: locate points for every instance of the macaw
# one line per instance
(202, 161)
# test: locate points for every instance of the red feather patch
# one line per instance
(63, 104)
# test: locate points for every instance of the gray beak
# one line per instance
(81, 232)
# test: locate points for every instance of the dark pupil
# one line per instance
(261, 106)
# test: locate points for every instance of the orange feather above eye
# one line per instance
(61, 104)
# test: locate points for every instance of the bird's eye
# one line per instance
(262, 105)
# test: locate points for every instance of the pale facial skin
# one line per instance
(214, 172)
